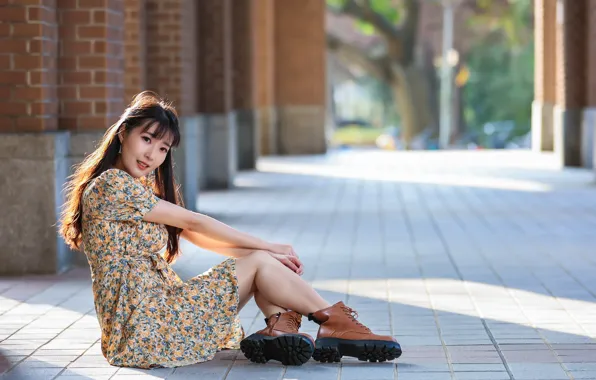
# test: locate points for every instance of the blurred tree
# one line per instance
(501, 64)
(498, 68)
(393, 63)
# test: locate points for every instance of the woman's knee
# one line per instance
(256, 258)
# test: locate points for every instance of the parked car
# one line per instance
(354, 132)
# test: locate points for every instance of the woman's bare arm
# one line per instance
(173, 215)
(201, 229)
(213, 245)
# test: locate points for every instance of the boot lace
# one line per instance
(353, 314)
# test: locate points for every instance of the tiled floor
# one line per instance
(482, 264)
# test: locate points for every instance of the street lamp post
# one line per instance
(448, 60)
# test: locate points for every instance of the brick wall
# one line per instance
(263, 14)
(215, 56)
(171, 51)
(135, 52)
(544, 72)
(591, 54)
(571, 54)
(300, 41)
(91, 64)
(242, 55)
(28, 42)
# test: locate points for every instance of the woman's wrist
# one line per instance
(266, 246)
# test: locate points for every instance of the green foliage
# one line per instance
(385, 8)
(501, 64)
(336, 4)
(514, 20)
(501, 85)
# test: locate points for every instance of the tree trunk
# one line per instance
(411, 89)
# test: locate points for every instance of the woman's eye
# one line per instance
(146, 139)
(165, 150)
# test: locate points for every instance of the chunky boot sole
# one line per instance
(329, 350)
(289, 349)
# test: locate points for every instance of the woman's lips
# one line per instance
(141, 165)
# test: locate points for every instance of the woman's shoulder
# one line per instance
(107, 180)
(115, 177)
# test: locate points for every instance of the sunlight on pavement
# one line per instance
(475, 299)
(383, 174)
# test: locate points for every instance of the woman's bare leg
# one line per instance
(266, 307)
(259, 273)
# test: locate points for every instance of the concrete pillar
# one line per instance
(243, 83)
(215, 93)
(570, 80)
(33, 170)
(589, 113)
(90, 74)
(263, 28)
(300, 70)
(33, 155)
(171, 37)
(544, 74)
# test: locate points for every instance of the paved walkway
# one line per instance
(482, 264)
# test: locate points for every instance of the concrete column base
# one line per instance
(220, 160)
(187, 159)
(567, 135)
(588, 137)
(301, 130)
(268, 131)
(33, 170)
(542, 126)
(247, 122)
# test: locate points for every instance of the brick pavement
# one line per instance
(480, 263)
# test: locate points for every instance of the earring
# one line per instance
(120, 149)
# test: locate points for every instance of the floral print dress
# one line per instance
(148, 316)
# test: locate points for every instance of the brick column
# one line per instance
(135, 48)
(544, 74)
(263, 29)
(215, 92)
(300, 84)
(33, 155)
(589, 113)
(91, 65)
(171, 37)
(90, 72)
(570, 79)
(29, 46)
(243, 83)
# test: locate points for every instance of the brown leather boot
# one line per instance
(340, 334)
(280, 341)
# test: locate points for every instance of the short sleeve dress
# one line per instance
(148, 316)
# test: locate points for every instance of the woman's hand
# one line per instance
(282, 249)
(287, 256)
(291, 262)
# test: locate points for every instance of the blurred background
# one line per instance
(258, 78)
(432, 161)
(397, 68)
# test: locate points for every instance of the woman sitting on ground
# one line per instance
(123, 208)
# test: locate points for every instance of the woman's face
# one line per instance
(142, 152)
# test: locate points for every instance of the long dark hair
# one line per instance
(146, 109)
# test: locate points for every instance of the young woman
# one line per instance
(123, 207)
